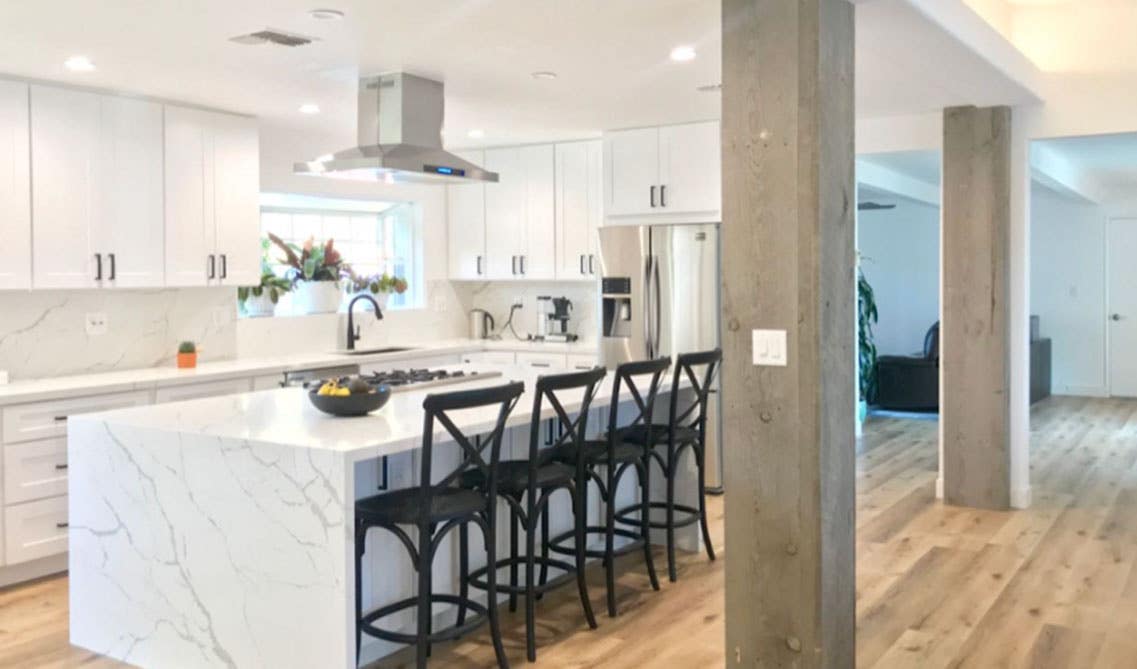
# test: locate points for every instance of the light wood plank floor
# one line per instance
(937, 586)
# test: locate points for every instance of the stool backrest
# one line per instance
(643, 394)
(572, 430)
(689, 365)
(438, 407)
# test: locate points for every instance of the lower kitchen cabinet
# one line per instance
(490, 357)
(193, 391)
(35, 529)
(541, 360)
(581, 361)
(39, 420)
(35, 470)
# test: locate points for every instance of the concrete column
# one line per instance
(788, 260)
(975, 362)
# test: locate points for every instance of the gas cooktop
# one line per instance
(401, 380)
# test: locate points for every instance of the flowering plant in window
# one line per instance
(378, 283)
(312, 261)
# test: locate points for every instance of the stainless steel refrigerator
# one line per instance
(660, 296)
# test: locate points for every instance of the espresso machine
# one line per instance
(553, 314)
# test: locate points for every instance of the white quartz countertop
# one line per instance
(285, 417)
(155, 377)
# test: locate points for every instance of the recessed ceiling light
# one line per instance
(544, 75)
(310, 108)
(682, 54)
(326, 14)
(79, 64)
(477, 133)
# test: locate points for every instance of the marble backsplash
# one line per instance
(43, 333)
(496, 298)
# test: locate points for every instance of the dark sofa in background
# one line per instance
(911, 383)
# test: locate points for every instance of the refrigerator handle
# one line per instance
(657, 326)
(647, 308)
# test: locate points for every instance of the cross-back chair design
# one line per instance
(605, 461)
(433, 509)
(527, 486)
(686, 428)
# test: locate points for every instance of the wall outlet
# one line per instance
(769, 348)
(95, 323)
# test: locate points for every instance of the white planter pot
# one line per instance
(256, 307)
(317, 297)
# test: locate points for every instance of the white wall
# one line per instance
(900, 256)
(1068, 288)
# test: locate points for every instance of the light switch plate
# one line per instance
(95, 323)
(769, 348)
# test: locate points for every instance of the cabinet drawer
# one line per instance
(580, 361)
(193, 391)
(35, 470)
(35, 529)
(490, 357)
(42, 420)
(541, 360)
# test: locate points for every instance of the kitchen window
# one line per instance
(374, 237)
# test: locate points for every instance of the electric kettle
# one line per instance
(481, 324)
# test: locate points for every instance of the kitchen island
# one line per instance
(218, 532)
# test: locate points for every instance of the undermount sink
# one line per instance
(373, 351)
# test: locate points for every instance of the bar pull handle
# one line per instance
(591, 264)
(113, 271)
(62, 525)
(582, 264)
(478, 265)
(59, 419)
(98, 267)
(653, 197)
(212, 267)
(224, 266)
(522, 264)
(61, 467)
(539, 364)
(663, 196)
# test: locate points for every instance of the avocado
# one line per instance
(358, 386)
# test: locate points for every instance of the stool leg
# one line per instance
(544, 547)
(643, 469)
(422, 647)
(490, 533)
(360, 547)
(670, 473)
(512, 559)
(463, 570)
(610, 542)
(703, 503)
(531, 583)
(580, 521)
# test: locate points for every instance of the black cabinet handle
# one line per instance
(212, 267)
(478, 265)
(522, 264)
(63, 466)
(663, 196)
(61, 525)
(539, 364)
(111, 256)
(224, 266)
(59, 419)
(653, 196)
(98, 267)
(513, 264)
(582, 263)
(591, 266)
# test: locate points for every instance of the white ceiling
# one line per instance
(611, 55)
(920, 165)
(1109, 161)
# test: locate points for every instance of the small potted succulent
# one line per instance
(314, 271)
(379, 286)
(187, 355)
(261, 299)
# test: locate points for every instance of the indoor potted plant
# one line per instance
(314, 271)
(187, 355)
(261, 299)
(379, 286)
(866, 347)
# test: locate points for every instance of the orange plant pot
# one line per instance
(187, 360)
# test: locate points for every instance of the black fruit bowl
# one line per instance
(350, 405)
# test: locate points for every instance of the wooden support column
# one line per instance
(975, 304)
(788, 260)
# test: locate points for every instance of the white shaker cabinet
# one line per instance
(212, 198)
(15, 184)
(505, 214)
(96, 190)
(579, 210)
(669, 174)
(538, 255)
(466, 224)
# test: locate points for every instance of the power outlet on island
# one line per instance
(769, 347)
(95, 324)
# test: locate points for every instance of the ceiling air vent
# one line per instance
(270, 36)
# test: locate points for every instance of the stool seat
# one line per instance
(596, 452)
(402, 506)
(638, 434)
(513, 476)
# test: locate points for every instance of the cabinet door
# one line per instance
(539, 255)
(691, 168)
(15, 184)
(64, 138)
(237, 199)
(505, 214)
(193, 391)
(127, 218)
(466, 223)
(578, 208)
(189, 196)
(541, 360)
(631, 159)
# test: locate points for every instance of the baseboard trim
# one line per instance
(939, 487)
(28, 571)
(1020, 497)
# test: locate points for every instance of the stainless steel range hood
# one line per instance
(400, 137)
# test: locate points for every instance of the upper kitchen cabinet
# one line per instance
(579, 210)
(466, 215)
(96, 162)
(505, 214)
(212, 191)
(15, 185)
(666, 174)
(539, 259)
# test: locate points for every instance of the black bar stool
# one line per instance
(616, 456)
(429, 506)
(527, 486)
(684, 429)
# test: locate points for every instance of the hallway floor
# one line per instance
(937, 586)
